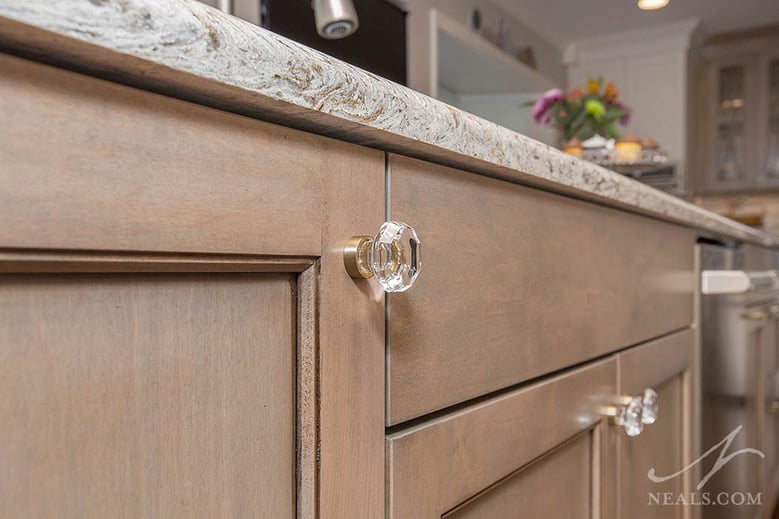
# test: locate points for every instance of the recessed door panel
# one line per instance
(147, 396)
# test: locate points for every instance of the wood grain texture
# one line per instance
(656, 362)
(351, 346)
(436, 466)
(28, 261)
(185, 49)
(696, 391)
(667, 366)
(659, 446)
(530, 493)
(516, 283)
(147, 395)
(89, 164)
(307, 426)
(159, 185)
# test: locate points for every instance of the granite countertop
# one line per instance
(186, 49)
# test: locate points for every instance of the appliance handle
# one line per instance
(721, 282)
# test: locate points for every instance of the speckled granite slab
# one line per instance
(186, 49)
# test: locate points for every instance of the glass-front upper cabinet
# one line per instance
(771, 119)
(730, 101)
(738, 122)
(728, 124)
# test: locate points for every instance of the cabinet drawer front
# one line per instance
(499, 454)
(517, 282)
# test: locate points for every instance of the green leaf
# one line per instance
(586, 130)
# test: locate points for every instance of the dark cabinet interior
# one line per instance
(378, 46)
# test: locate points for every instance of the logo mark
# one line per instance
(723, 459)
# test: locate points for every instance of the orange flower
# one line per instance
(593, 86)
(611, 93)
(575, 95)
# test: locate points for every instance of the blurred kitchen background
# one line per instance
(701, 77)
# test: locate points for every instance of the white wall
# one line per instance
(420, 37)
(510, 111)
(650, 67)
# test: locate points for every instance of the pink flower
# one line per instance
(550, 97)
(625, 118)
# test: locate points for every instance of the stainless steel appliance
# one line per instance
(739, 316)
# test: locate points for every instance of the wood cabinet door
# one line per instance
(665, 365)
(539, 451)
(159, 395)
(178, 334)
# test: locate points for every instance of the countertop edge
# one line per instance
(188, 50)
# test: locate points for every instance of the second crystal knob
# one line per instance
(629, 417)
(651, 406)
(633, 412)
(393, 256)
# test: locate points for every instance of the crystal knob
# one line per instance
(392, 256)
(651, 406)
(633, 412)
(629, 417)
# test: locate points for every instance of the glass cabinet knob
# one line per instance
(651, 406)
(393, 256)
(629, 417)
(633, 412)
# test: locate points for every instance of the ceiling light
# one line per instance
(651, 5)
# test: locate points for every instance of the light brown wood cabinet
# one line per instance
(666, 446)
(551, 447)
(545, 447)
(179, 336)
(504, 267)
(177, 332)
(148, 395)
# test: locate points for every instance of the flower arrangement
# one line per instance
(579, 114)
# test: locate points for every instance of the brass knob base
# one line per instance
(392, 257)
(356, 257)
